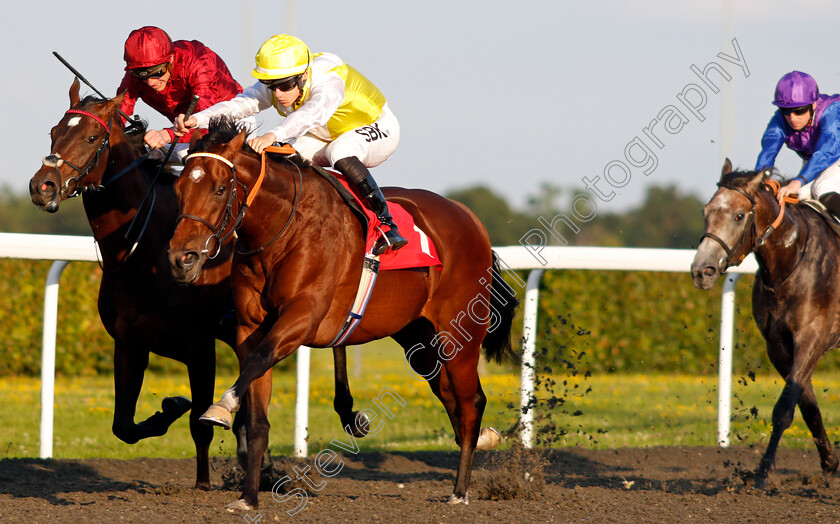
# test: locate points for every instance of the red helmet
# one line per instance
(146, 47)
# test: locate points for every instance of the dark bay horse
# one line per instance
(295, 285)
(796, 293)
(141, 306)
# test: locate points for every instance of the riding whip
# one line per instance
(151, 190)
(131, 122)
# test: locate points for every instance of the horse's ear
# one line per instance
(74, 92)
(238, 140)
(195, 136)
(119, 98)
(756, 181)
(727, 168)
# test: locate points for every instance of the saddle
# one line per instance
(420, 252)
(827, 215)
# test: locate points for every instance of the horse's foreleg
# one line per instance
(128, 379)
(129, 366)
(202, 374)
(813, 418)
(782, 418)
(356, 422)
(258, 397)
(284, 338)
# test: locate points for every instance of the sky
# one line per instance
(593, 97)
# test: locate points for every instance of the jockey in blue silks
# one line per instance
(808, 123)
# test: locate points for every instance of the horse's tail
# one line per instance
(503, 301)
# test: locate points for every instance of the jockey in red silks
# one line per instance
(166, 74)
(334, 117)
(808, 123)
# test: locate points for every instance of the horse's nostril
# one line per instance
(709, 271)
(188, 259)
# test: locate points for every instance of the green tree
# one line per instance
(19, 215)
(504, 225)
(667, 218)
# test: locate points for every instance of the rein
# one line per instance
(227, 215)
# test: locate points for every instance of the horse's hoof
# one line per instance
(239, 505)
(361, 424)
(176, 405)
(488, 438)
(217, 416)
(454, 499)
(760, 483)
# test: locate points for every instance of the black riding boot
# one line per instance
(358, 175)
(831, 201)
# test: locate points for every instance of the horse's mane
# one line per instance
(740, 178)
(223, 128)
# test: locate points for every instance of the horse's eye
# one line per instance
(91, 139)
(221, 190)
(739, 216)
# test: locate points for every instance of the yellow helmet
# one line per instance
(281, 56)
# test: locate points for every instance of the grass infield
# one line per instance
(599, 411)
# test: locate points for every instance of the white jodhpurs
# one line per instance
(372, 144)
(826, 182)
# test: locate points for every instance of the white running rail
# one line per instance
(64, 248)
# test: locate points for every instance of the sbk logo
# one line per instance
(372, 132)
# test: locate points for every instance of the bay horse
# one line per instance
(296, 281)
(795, 293)
(141, 306)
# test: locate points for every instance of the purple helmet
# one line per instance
(796, 89)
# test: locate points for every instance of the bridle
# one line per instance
(55, 161)
(749, 226)
(227, 218)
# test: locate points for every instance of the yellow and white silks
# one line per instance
(340, 114)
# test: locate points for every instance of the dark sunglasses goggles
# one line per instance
(150, 72)
(798, 111)
(283, 84)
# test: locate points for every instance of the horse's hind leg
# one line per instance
(202, 373)
(813, 418)
(462, 375)
(354, 421)
(455, 382)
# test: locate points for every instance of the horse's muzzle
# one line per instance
(44, 190)
(186, 265)
(704, 276)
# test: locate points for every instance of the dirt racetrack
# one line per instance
(676, 484)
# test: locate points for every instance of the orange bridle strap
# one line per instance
(285, 149)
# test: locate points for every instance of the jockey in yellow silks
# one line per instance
(334, 117)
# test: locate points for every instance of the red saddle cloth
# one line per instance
(420, 250)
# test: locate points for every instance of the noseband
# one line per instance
(55, 161)
(749, 225)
